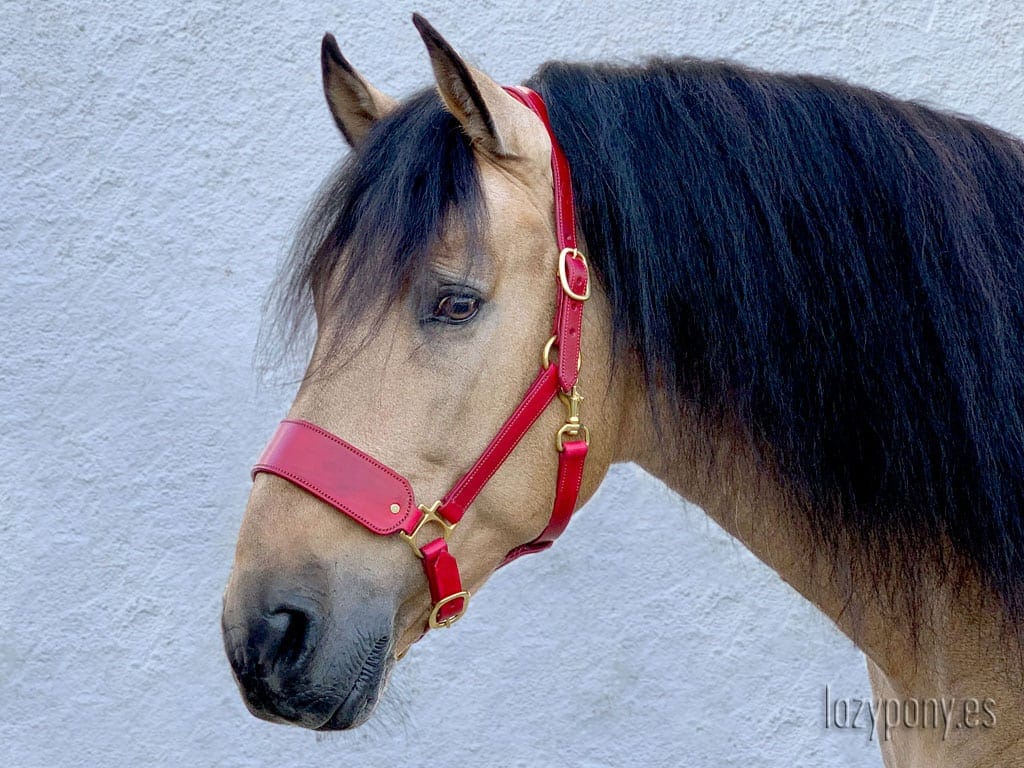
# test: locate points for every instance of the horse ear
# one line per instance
(494, 121)
(355, 104)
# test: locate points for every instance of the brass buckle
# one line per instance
(563, 275)
(433, 621)
(572, 426)
(429, 516)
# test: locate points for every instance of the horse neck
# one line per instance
(956, 649)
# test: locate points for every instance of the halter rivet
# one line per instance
(396, 508)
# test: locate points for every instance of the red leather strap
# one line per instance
(569, 314)
(337, 472)
(567, 327)
(534, 402)
(443, 579)
(569, 322)
(565, 212)
(570, 477)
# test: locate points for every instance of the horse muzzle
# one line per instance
(307, 657)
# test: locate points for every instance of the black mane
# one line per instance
(835, 270)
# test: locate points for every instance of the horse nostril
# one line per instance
(279, 642)
(271, 645)
(293, 627)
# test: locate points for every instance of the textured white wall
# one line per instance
(154, 162)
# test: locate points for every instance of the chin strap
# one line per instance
(381, 500)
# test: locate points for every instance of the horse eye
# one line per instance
(456, 308)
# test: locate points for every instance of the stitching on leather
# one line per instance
(573, 314)
(329, 497)
(559, 167)
(575, 477)
(505, 430)
(352, 449)
(535, 391)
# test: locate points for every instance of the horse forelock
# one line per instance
(367, 237)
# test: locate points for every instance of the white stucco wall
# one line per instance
(153, 160)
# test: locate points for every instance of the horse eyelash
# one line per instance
(427, 317)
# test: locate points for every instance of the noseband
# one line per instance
(381, 500)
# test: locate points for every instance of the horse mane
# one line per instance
(836, 270)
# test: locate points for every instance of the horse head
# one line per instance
(435, 272)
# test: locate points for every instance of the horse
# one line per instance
(804, 312)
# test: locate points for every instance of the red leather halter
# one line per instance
(381, 500)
